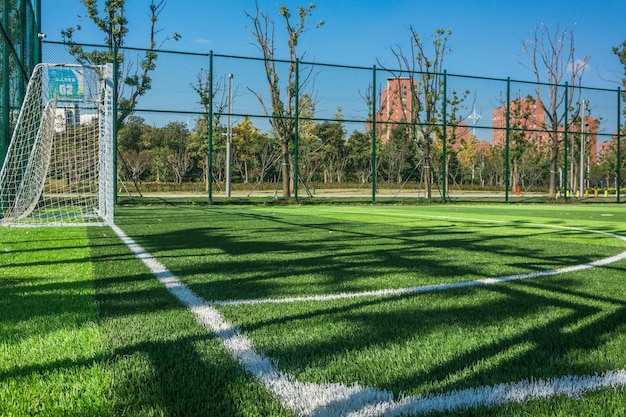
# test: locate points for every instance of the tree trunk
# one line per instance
(554, 153)
(284, 145)
(427, 170)
(514, 175)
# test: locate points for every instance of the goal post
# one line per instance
(59, 164)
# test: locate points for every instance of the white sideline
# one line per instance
(317, 400)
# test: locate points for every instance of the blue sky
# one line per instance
(486, 35)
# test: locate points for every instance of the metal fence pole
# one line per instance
(444, 137)
(619, 143)
(296, 136)
(373, 134)
(5, 135)
(507, 134)
(37, 38)
(115, 115)
(209, 163)
(565, 146)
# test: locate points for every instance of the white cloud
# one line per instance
(203, 41)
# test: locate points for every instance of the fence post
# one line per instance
(37, 40)
(565, 145)
(5, 135)
(619, 143)
(115, 98)
(296, 135)
(373, 134)
(444, 136)
(209, 164)
(507, 139)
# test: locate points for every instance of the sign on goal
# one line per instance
(59, 165)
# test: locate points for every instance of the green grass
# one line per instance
(52, 349)
(93, 333)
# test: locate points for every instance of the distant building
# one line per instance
(396, 104)
(71, 115)
(65, 117)
(609, 146)
(528, 117)
(526, 114)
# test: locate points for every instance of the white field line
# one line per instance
(442, 287)
(334, 400)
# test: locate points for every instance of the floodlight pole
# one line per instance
(229, 135)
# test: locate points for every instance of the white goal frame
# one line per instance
(59, 168)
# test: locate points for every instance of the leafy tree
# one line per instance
(153, 139)
(359, 148)
(133, 155)
(333, 148)
(454, 104)
(609, 162)
(398, 154)
(179, 154)
(520, 114)
(113, 23)
(129, 134)
(492, 166)
(245, 138)
(468, 157)
(309, 146)
(198, 147)
(533, 166)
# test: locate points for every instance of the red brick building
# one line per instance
(528, 116)
(396, 102)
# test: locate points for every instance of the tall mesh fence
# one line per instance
(19, 44)
(207, 128)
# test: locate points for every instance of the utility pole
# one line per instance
(229, 135)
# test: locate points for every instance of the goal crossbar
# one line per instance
(59, 164)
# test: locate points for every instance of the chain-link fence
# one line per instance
(211, 127)
(19, 42)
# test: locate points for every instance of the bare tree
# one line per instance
(136, 163)
(218, 96)
(621, 54)
(425, 70)
(282, 114)
(552, 55)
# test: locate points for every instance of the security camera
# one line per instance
(41, 35)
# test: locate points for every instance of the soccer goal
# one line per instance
(59, 165)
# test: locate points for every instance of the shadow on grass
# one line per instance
(237, 253)
(444, 341)
(234, 254)
(161, 358)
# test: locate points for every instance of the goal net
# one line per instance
(59, 165)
